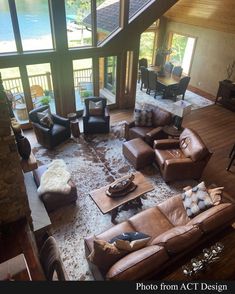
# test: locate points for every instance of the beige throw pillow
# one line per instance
(95, 108)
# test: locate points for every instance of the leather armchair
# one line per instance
(161, 118)
(182, 159)
(50, 137)
(96, 123)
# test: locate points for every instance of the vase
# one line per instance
(24, 147)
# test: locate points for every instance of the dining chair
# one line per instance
(142, 62)
(178, 89)
(177, 71)
(144, 77)
(168, 67)
(154, 85)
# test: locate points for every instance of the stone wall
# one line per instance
(13, 198)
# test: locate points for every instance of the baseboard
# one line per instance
(201, 93)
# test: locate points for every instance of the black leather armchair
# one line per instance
(97, 121)
(50, 137)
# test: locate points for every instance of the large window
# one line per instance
(147, 45)
(7, 40)
(41, 86)
(83, 81)
(34, 23)
(182, 51)
(78, 19)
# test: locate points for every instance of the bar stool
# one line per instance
(232, 156)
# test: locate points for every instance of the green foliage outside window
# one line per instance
(178, 46)
(147, 46)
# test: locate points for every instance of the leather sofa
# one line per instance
(182, 159)
(161, 118)
(173, 236)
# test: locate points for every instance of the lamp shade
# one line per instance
(181, 108)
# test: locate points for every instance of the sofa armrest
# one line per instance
(106, 112)
(138, 264)
(127, 126)
(156, 133)
(60, 120)
(166, 144)
(179, 162)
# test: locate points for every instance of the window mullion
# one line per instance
(15, 25)
(124, 13)
(94, 23)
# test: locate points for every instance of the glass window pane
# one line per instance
(147, 46)
(107, 18)
(7, 39)
(135, 6)
(14, 90)
(83, 81)
(107, 71)
(34, 23)
(41, 86)
(78, 15)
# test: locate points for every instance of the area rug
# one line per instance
(194, 99)
(95, 161)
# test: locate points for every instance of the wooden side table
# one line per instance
(75, 130)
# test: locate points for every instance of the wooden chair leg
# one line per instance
(231, 161)
(232, 151)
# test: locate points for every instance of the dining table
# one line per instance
(165, 79)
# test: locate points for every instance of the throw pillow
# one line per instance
(130, 241)
(196, 200)
(95, 108)
(45, 118)
(216, 195)
(143, 118)
(104, 254)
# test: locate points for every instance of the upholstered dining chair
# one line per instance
(179, 89)
(144, 78)
(51, 262)
(168, 67)
(96, 117)
(142, 62)
(177, 71)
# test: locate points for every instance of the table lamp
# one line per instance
(180, 109)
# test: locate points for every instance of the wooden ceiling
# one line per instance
(213, 14)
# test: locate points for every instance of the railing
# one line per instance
(45, 80)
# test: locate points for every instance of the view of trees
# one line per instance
(178, 46)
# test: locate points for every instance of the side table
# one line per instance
(75, 130)
(172, 131)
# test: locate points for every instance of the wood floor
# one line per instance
(216, 126)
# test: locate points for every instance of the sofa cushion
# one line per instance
(130, 241)
(196, 200)
(135, 265)
(161, 117)
(139, 132)
(143, 118)
(162, 155)
(104, 254)
(178, 238)
(150, 221)
(174, 210)
(215, 217)
(192, 145)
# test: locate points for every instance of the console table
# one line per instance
(226, 94)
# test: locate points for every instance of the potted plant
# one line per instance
(45, 100)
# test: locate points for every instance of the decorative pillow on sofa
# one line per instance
(45, 118)
(216, 195)
(143, 118)
(95, 108)
(196, 200)
(104, 254)
(130, 241)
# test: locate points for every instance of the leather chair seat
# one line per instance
(139, 132)
(95, 120)
(163, 155)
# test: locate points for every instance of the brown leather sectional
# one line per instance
(173, 235)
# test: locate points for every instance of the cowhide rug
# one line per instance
(95, 161)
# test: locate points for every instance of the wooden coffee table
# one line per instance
(107, 204)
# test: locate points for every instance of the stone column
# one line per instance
(13, 197)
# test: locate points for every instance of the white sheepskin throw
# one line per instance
(55, 178)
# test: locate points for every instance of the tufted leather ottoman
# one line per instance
(53, 201)
(138, 153)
